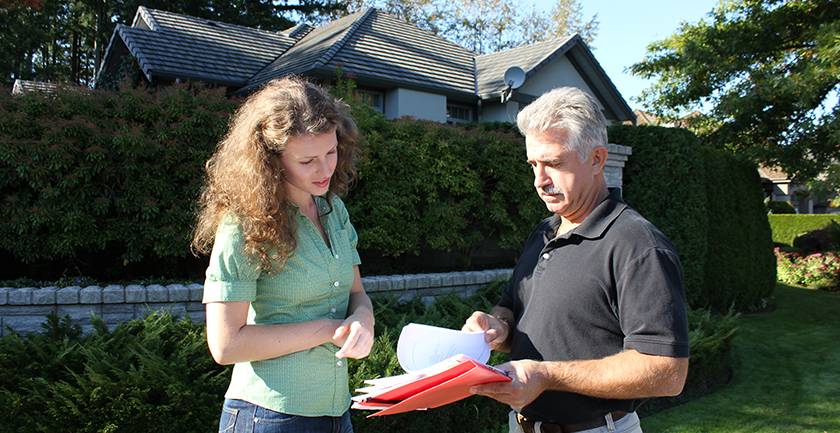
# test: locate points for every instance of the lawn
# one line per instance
(787, 373)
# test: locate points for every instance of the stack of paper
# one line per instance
(441, 365)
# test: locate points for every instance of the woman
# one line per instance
(283, 295)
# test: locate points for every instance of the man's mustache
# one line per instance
(553, 190)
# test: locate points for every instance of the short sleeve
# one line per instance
(347, 226)
(651, 305)
(231, 275)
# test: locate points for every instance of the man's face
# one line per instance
(562, 180)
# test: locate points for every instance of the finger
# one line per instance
(351, 341)
(491, 389)
(340, 331)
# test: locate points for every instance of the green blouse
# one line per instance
(314, 284)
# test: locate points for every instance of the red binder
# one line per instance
(445, 382)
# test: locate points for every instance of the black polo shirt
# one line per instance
(612, 283)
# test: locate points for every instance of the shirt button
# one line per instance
(336, 256)
(546, 256)
(335, 284)
(339, 363)
(332, 310)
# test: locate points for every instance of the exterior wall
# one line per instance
(24, 309)
(558, 73)
(420, 105)
(495, 111)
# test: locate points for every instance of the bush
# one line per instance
(104, 184)
(156, 374)
(823, 239)
(780, 207)
(710, 205)
(740, 267)
(817, 270)
(100, 181)
(663, 180)
(786, 228)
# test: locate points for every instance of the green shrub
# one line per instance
(817, 270)
(740, 267)
(156, 374)
(780, 207)
(104, 184)
(107, 178)
(787, 227)
(663, 180)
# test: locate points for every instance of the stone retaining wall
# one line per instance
(24, 309)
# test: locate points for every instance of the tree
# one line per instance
(487, 26)
(766, 72)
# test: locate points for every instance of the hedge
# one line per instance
(710, 204)
(157, 375)
(787, 227)
(96, 182)
(104, 184)
(663, 180)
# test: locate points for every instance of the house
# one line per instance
(400, 69)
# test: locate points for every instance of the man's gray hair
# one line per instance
(569, 109)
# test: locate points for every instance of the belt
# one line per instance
(546, 427)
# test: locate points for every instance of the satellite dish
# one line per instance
(514, 78)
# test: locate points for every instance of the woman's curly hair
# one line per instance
(245, 176)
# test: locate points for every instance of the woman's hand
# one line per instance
(354, 336)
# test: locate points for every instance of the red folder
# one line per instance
(445, 382)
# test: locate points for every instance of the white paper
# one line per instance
(422, 346)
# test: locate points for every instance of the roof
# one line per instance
(490, 69)
(374, 48)
(166, 43)
(374, 45)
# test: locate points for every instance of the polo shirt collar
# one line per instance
(598, 221)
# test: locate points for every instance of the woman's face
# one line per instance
(309, 163)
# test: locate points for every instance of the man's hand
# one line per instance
(355, 336)
(526, 385)
(495, 331)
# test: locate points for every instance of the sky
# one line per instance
(627, 27)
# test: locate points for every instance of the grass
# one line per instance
(787, 373)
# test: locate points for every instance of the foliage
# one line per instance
(710, 205)
(740, 268)
(61, 40)
(105, 177)
(661, 156)
(491, 25)
(786, 228)
(817, 270)
(156, 374)
(126, 380)
(770, 71)
(780, 207)
(103, 184)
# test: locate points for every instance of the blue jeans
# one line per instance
(242, 417)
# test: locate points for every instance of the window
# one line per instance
(371, 98)
(456, 113)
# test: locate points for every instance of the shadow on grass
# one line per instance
(786, 376)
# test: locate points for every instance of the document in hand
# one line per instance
(441, 364)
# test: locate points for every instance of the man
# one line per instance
(594, 315)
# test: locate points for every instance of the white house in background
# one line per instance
(399, 69)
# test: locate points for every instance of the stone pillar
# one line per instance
(614, 170)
